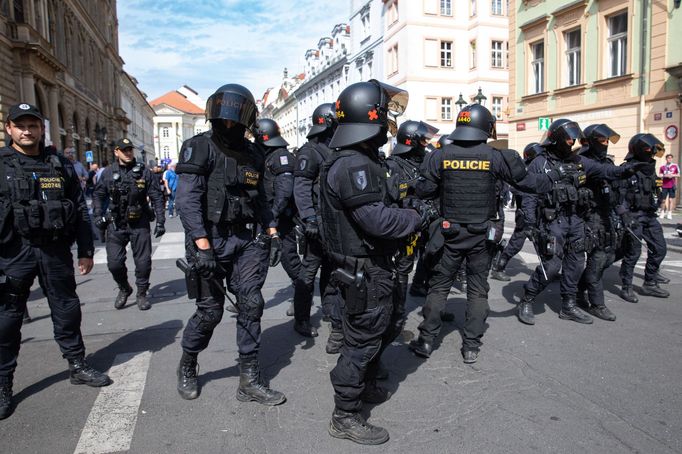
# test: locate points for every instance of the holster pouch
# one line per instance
(478, 228)
(355, 286)
(450, 229)
(547, 245)
(549, 214)
(192, 283)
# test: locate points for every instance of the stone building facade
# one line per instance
(62, 56)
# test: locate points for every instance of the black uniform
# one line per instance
(309, 160)
(465, 180)
(360, 230)
(279, 187)
(43, 213)
(129, 188)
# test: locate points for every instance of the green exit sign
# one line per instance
(543, 123)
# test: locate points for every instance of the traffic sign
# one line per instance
(88, 156)
(543, 123)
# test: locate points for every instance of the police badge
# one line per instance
(360, 179)
(302, 164)
(187, 154)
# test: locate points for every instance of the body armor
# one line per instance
(342, 235)
(311, 151)
(128, 195)
(403, 177)
(569, 195)
(641, 191)
(468, 191)
(40, 209)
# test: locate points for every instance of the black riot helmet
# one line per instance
(531, 151)
(413, 135)
(643, 147)
(595, 135)
(560, 131)
(474, 123)
(363, 110)
(324, 119)
(443, 141)
(266, 132)
(232, 102)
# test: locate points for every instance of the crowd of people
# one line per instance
(340, 207)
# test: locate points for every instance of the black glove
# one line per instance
(531, 232)
(101, 222)
(159, 230)
(204, 260)
(426, 211)
(629, 221)
(632, 167)
(275, 250)
(312, 229)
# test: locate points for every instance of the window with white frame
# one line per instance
(446, 54)
(572, 41)
(537, 66)
(364, 18)
(472, 7)
(446, 108)
(617, 44)
(496, 54)
(472, 54)
(497, 106)
(164, 132)
(393, 13)
(496, 7)
(393, 59)
(446, 7)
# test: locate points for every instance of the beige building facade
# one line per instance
(608, 61)
(62, 56)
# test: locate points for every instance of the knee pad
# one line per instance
(208, 319)
(251, 306)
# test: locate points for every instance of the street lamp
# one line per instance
(460, 103)
(480, 97)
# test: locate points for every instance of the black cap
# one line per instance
(124, 143)
(19, 110)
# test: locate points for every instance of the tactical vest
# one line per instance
(40, 209)
(642, 191)
(468, 193)
(128, 194)
(342, 236)
(403, 184)
(233, 187)
(321, 153)
(570, 193)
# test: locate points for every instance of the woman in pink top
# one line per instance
(670, 173)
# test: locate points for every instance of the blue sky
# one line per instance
(208, 43)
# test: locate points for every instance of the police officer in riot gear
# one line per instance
(309, 160)
(638, 196)
(403, 165)
(518, 237)
(128, 185)
(463, 175)
(42, 213)
(222, 200)
(559, 237)
(360, 230)
(603, 224)
(279, 190)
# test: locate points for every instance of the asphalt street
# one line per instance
(556, 387)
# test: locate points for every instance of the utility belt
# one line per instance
(604, 234)
(225, 229)
(44, 221)
(121, 216)
(351, 276)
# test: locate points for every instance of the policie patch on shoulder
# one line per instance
(187, 154)
(360, 179)
(302, 163)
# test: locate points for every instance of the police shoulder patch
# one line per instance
(187, 154)
(284, 160)
(302, 163)
(359, 179)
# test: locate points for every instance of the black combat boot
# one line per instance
(6, 401)
(252, 388)
(188, 369)
(497, 272)
(335, 341)
(305, 329)
(421, 347)
(581, 300)
(569, 311)
(124, 291)
(628, 294)
(660, 279)
(141, 300)
(382, 373)
(525, 310)
(651, 288)
(374, 394)
(352, 426)
(470, 356)
(602, 312)
(80, 373)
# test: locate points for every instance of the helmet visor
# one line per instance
(572, 131)
(231, 106)
(425, 131)
(657, 147)
(606, 132)
(397, 98)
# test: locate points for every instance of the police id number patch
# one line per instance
(50, 183)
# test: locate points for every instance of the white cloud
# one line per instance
(205, 44)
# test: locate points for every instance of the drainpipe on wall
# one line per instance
(642, 62)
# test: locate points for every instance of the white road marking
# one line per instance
(173, 237)
(111, 423)
(169, 251)
(529, 258)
